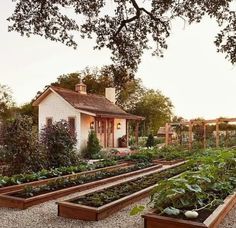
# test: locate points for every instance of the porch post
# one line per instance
(167, 134)
(136, 133)
(127, 132)
(105, 133)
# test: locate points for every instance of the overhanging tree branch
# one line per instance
(137, 16)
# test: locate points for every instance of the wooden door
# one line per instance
(105, 132)
(100, 126)
(110, 133)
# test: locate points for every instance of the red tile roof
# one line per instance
(96, 104)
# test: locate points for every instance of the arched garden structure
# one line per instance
(199, 130)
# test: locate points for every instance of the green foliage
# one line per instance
(156, 108)
(107, 195)
(150, 141)
(170, 152)
(65, 182)
(128, 90)
(57, 172)
(136, 210)
(206, 186)
(22, 151)
(126, 27)
(93, 147)
(59, 144)
(140, 157)
(28, 109)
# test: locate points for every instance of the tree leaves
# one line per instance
(156, 108)
(194, 187)
(125, 27)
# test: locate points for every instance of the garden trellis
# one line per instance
(202, 124)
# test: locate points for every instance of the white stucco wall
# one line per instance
(119, 132)
(53, 106)
(85, 128)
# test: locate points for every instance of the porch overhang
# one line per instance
(113, 115)
(118, 116)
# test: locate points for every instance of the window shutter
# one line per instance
(71, 122)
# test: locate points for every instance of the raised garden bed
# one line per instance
(205, 219)
(101, 204)
(199, 197)
(24, 199)
(166, 162)
(18, 187)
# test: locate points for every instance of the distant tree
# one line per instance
(96, 81)
(177, 119)
(6, 102)
(28, 109)
(128, 90)
(123, 26)
(67, 81)
(156, 108)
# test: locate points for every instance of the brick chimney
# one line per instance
(81, 88)
(110, 94)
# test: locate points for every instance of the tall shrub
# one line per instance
(59, 144)
(21, 150)
(93, 146)
(150, 141)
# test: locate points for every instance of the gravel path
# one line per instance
(45, 215)
(230, 220)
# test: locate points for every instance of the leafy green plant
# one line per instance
(170, 152)
(59, 144)
(93, 146)
(150, 141)
(136, 210)
(107, 195)
(22, 151)
(79, 179)
(44, 174)
(204, 187)
(140, 157)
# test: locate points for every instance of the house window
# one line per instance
(71, 123)
(49, 121)
(101, 126)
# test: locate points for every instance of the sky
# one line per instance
(199, 81)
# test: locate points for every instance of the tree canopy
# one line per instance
(123, 26)
(128, 90)
(131, 95)
(156, 108)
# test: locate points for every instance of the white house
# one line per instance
(85, 112)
